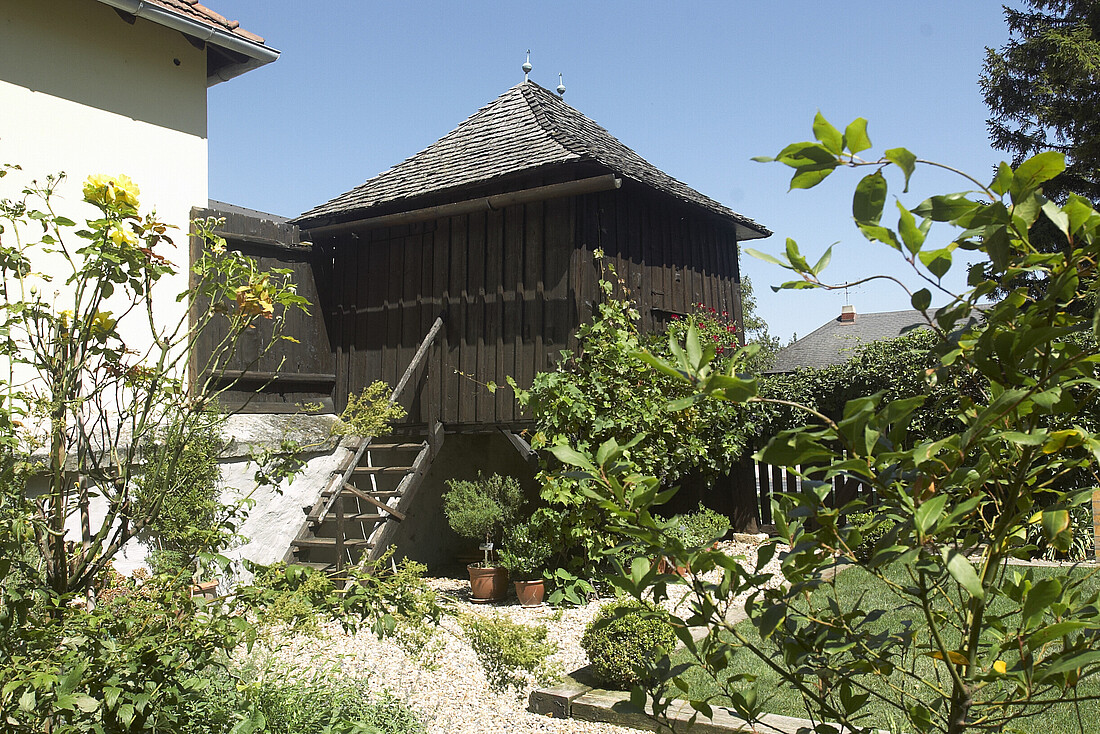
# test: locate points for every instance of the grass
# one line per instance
(856, 584)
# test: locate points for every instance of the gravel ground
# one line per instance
(446, 683)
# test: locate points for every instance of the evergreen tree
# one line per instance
(1043, 90)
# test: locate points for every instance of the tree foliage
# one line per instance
(1043, 89)
(1002, 644)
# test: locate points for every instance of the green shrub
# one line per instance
(282, 701)
(527, 548)
(480, 508)
(298, 596)
(700, 528)
(870, 532)
(507, 650)
(625, 641)
(178, 486)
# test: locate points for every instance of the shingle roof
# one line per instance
(835, 342)
(525, 128)
(197, 11)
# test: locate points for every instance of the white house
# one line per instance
(118, 86)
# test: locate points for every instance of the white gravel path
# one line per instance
(448, 686)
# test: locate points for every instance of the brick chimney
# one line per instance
(847, 314)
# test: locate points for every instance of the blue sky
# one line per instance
(697, 88)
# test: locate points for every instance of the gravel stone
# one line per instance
(445, 684)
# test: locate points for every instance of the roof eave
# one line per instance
(256, 54)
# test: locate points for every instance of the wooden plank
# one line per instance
(558, 310)
(392, 363)
(531, 355)
(476, 405)
(372, 501)
(438, 364)
(457, 313)
(514, 251)
(411, 332)
(491, 361)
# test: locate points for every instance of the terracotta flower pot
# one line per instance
(488, 584)
(530, 593)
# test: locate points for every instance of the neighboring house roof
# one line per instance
(525, 128)
(233, 49)
(836, 341)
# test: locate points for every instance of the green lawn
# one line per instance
(856, 584)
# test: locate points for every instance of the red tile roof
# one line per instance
(198, 12)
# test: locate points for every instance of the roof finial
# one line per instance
(561, 86)
(527, 65)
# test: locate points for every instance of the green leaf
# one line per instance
(855, 136)
(765, 257)
(798, 262)
(829, 136)
(922, 299)
(929, 512)
(938, 262)
(1035, 170)
(1003, 180)
(1057, 216)
(869, 198)
(911, 234)
(1044, 593)
(904, 160)
(810, 176)
(945, 208)
(963, 572)
(568, 455)
(823, 261)
(880, 234)
(1057, 528)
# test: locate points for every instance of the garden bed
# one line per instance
(444, 681)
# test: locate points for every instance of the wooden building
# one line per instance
(486, 240)
(495, 227)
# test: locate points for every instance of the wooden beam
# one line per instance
(606, 182)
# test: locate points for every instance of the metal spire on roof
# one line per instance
(527, 65)
(561, 86)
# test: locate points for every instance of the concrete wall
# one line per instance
(84, 92)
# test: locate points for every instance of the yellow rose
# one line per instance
(111, 191)
(122, 237)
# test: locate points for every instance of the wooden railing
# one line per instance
(341, 476)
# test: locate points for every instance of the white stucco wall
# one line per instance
(85, 92)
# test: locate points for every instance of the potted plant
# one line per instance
(525, 554)
(480, 509)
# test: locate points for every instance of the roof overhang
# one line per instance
(236, 56)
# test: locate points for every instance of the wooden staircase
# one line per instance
(371, 489)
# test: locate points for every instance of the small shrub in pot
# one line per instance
(527, 549)
(481, 508)
(625, 641)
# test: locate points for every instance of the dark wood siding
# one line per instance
(292, 374)
(513, 285)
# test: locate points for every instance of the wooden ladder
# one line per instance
(371, 488)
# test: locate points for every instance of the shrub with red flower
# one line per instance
(714, 327)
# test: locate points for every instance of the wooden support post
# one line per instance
(765, 494)
(339, 532)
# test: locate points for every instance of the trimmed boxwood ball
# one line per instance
(624, 641)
